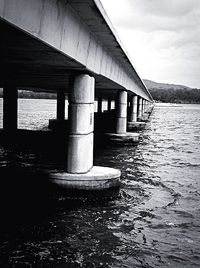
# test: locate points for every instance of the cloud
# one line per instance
(164, 8)
(154, 15)
(161, 36)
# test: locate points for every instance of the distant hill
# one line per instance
(151, 84)
(162, 92)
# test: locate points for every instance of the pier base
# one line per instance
(122, 139)
(143, 118)
(136, 126)
(98, 178)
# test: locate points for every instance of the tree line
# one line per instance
(176, 95)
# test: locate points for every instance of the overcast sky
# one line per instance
(162, 37)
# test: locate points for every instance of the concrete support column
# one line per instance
(59, 123)
(80, 173)
(10, 108)
(140, 107)
(133, 109)
(81, 125)
(99, 105)
(109, 104)
(143, 107)
(146, 106)
(121, 123)
(60, 105)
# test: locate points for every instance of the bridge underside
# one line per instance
(29, 63)
(70, 47)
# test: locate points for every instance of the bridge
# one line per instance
(70, 47)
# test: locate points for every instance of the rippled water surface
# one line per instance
(152, 221)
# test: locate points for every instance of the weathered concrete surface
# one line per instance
(133, 109)
(98, 178)
(121, 115)
(59, 35)
(81, 125)
(140, 107)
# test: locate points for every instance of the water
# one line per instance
(153, 221)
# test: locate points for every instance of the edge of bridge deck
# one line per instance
(111, 30)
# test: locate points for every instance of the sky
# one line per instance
(162, 37)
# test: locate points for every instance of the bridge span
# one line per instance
(70, 47)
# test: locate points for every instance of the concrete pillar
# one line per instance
(143, 105)
(146, 106)
(60, 105)
(81, 125)
(133, 109)
(99, 105)
(140, 107)
(109, 104)
(10, 108)
(121, 112)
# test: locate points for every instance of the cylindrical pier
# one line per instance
(81, 174)
(81, 125)
(140, 107)
(121, 136)
(60, 122)
(133, 109)
(143, 107)
(121, 117)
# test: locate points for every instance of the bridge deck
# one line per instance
(44, 42)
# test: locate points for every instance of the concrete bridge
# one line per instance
(70, 47)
